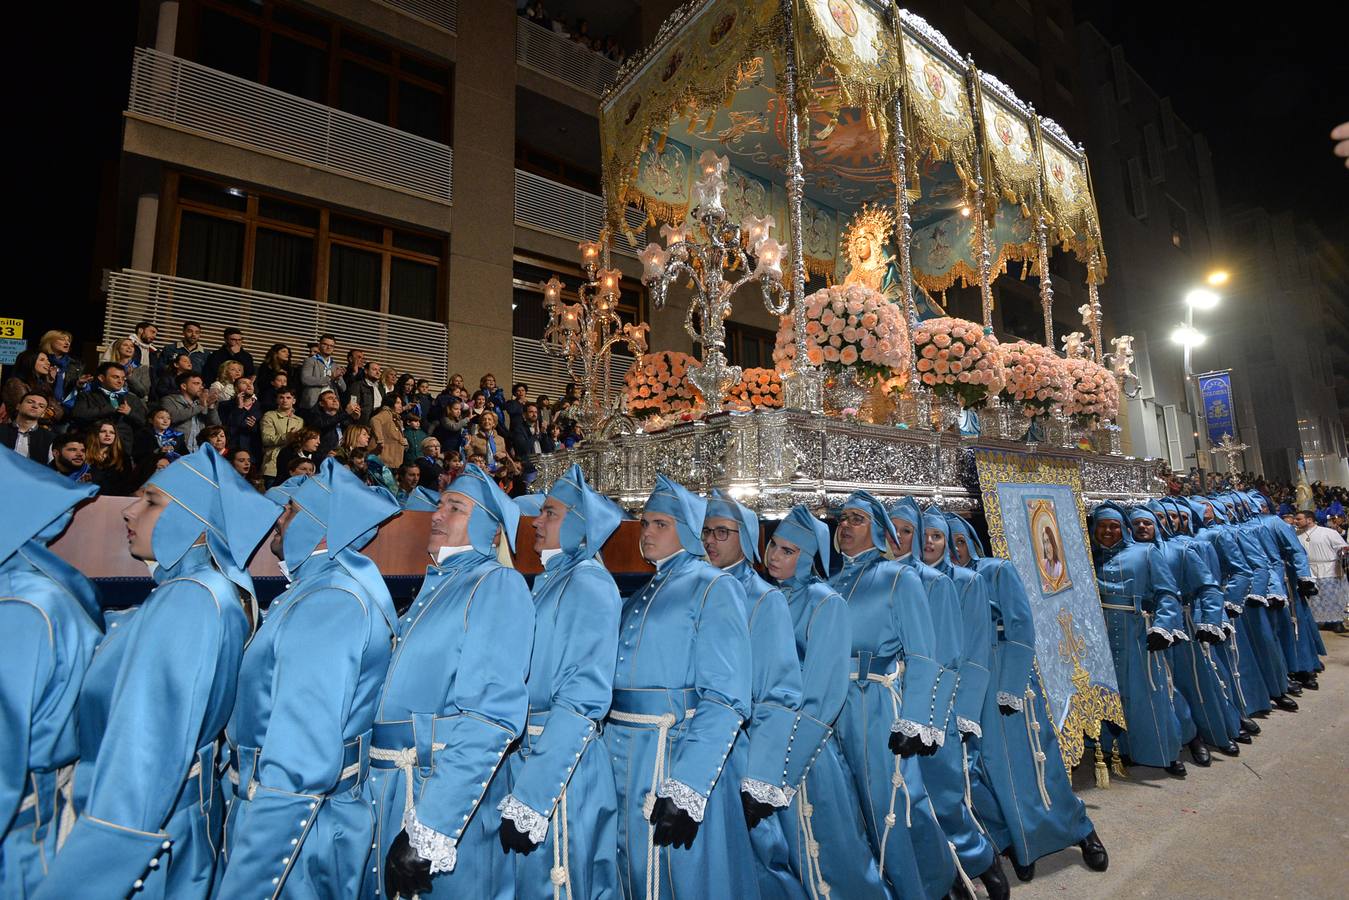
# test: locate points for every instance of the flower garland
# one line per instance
(657, 384)
(1093, 393)
(848, 326)
(758, 388)
(1035, 377)
(956, 359)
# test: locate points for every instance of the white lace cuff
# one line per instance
(430, 844)
(765, 793)
(684, 797)
(1229, 629)
(527, 819)
(789, 793)
(1216, 630)
(1233, 609)
(1010, 700)
(969, 727)
(1157, 629)
(1179, 635)
(1256, 598)
(928, 734)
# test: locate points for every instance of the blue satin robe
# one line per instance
(684, 652)
(944, 773)
(1138, 596)
(775, 689)
(571, 678)
(51, 621)
(824, 808)
(1007, 796)
(457, 679)
(1266, 652)
(1216, 614)
(1236, 658)
(155, 699)
(300, 735)
(1297, 631)
(891, 622)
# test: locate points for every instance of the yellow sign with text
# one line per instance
(11, 328)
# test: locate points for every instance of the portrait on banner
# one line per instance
(1050, 561)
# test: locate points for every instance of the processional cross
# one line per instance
(1232, 450)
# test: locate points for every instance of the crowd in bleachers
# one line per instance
(143, 404)
(577, 31)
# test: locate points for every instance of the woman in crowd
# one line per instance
(302, 443)
(32, 373)
(276, 362)
(110, 461)
(241, 460)
(387, 425)
(489, 443)
(214, 436)
(223, 386)
(67, 371)
(175, 363)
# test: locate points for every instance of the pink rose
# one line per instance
(848, 356)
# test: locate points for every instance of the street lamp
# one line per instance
(1218, 277)
(1189, 337)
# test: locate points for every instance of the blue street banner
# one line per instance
(1215, 389)
(10, 348)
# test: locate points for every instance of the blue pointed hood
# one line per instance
(421, 499)
(907, 508)
(1137, 513)
(935, 519)
(48, 502)
(685, 507)
(959, 526)
(591, 517)
(208, 497)
(1162, 519)
(882, 529)
(721, 506)
(336, 506)
(1111, 510)
(492, 509)
(810, 535)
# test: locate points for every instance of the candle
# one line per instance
(756, 229)
(590, 251)
(711, 164)
(707, 191)
(770, 260)
(653, 260)
(552, 291)
(673, 234)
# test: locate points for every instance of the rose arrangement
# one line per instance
(848, 325)
(956, 359)
(1035, 377)
(758, 388)
(657, 384)
(1093, 393)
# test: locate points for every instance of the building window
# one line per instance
(234, 236)
(1135, 188)
(1153, 145)
(749, 347)
(1180, 224)
(1121, 69)
(1168, 123)
(318, 59)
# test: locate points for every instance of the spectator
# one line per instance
(302, 445)
(277, 427)
(545, 410)
(491, 446)
(231, 350)
(190, 343)
(412, 431)
(356, 440)
(275, 362)
(176, 362)
(300, 466)
(515, 407)
(109, 460)
(495, 397)
(453, 388)
(68, 372)
(355, 367)
(267, 390)
(190, 408)
(529, 437)
(68, 458)
(160, 439)
(242, 417)
(242, 462)
(388, 381)
(319, 373)
(108, 400)
(409, 476)
(368, 390)
(147, 354)
(138, 377)
(223, 386)
(387, 424)
(449, 428)
(26, 435)
(328, 418)
(421, 398)
(32, 373)
(217, 437)
(430, 465)
(477, 405)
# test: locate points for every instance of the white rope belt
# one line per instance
(889, 680)
(664, 722)
(406, 760)
(814, 873)
(1037, 750)
(560, 874)
(233, 775)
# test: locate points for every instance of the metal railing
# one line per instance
(558, 57)
(547, 374)
(223, 107)
(567, 211)
(409, 345)
(443, 14)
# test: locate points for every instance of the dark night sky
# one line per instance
(1265, 91)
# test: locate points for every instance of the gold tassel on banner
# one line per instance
(1102, 773)
(1024, 267)
(1117, 764)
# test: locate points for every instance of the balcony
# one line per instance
(549, 53)
(442, 14)
(567, 212)
(409, 345)
(192, 98)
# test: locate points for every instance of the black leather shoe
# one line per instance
(1262, 714)
(959, 891)
(1250, 726)
(1230, 750)
(995, 882)
(1023, 873)
(1294, 688)
(1177, 769)
(1093, 852)
(1243, 737)
(1311, 683)
(1285, 703)
(1199, 753)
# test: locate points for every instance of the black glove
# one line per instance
(1157, 641)
(1007, 710)
(405, 873)
(902, 745)
(965, 736)
(1278, 602)
(674, 827)
(512, 838)
(755, 812)
(1307, 589)
(1208, 637)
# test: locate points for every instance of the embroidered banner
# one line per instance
(1216, 390)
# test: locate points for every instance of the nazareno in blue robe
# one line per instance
(454, 700)
(158, 694)
(571, 677)
(51, 620)
(1139, 597)
(1298, 634)
(682, 690)
(300, 732)
(827, 841)
(896, 687)
(1265, 649)
(1023, 797)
